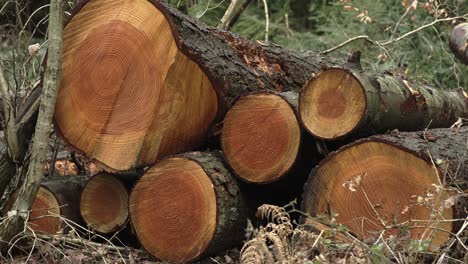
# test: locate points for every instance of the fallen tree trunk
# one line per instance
(389, 182)
(341, 102)
(186, 207)
(133, 102)
(104, 203)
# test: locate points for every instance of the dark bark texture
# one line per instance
(231, 205)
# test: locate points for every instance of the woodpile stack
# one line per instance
(143, 86)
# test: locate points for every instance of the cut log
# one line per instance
(387, 182)
(261, 136)
(55, 201)
(155, 82)
(186, 207)
(458, 42)
(104, 203)
(340, 102)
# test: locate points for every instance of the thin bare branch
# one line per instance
(384, 43)
(34, 176)
(230, 12)
(267, 18)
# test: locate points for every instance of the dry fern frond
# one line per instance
(274, 214)
(278, 246)
(256, 251)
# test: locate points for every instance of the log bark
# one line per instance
(344, 102)
(104, 203)
(458, 42)
(186, 207)
(387, 182)
(132, 102)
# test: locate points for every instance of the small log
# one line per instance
(166, 90)
(261, 137)
(380, 183)
(104, 203)
(55, 200)
(186, 207)
(458, 42)
(341, 102)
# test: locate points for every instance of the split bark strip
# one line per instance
(15, 221)
(8, 117)
(225, 65)
(25, 123)
(162, 207)
(386, 182)
(344, 101)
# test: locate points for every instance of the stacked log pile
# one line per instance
(143, 84)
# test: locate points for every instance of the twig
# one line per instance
(382, 43)
(286, 24)
(267, 18)
(385, 43)
(365, 37)
(399, 22)
(208, 8)
(238, 13)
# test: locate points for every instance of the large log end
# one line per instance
(373, 186)
(128, 94)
